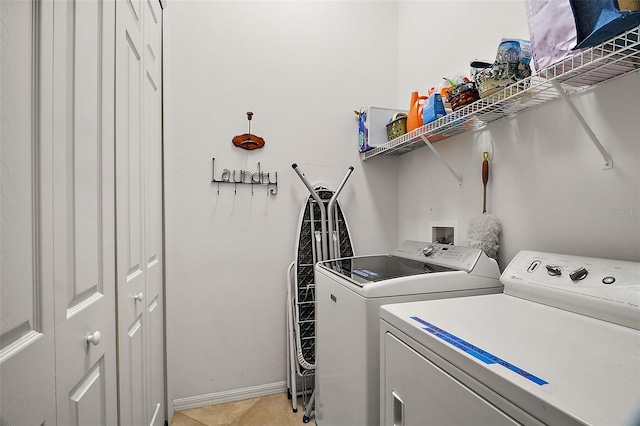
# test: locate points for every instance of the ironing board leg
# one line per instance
(312, 400)
(292, 359)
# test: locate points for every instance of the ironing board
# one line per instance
(312, 235)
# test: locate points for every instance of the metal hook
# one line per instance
(249, 117)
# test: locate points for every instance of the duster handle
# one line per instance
(485, 179)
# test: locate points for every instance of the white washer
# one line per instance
(560, 346)
(349, 293)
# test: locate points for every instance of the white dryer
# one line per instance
(560, 346)
(349, 293)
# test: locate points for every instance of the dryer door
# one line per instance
(417, 392)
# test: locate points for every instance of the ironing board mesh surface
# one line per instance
(305, 285)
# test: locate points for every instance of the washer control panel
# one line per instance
(456, 257)
(601, 288)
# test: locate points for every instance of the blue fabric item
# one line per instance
(600, 20)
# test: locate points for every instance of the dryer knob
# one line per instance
(579, 274)
(429, 250)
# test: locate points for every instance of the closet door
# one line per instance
(83, 187)
(139, 211)
(152, 153)
(130, 212)
(27, 363)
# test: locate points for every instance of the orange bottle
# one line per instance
(414, 117)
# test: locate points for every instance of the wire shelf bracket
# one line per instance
(437, 154)
(608, 161)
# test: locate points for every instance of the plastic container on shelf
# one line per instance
(397, 125)
(463, 94)
(498, 76)
(372, 122)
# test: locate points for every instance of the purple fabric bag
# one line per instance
(552, 31)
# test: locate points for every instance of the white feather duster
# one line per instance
(484, 231)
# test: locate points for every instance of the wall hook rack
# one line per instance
(247, 140)
(245, 177)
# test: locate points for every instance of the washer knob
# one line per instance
(429, 250)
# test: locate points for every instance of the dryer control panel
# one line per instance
(601, 288)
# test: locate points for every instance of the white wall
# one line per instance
(301, 68)
(439, 38)
(547, 184)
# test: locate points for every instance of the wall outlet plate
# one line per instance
(444, 231)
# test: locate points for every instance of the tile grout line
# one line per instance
(191, 418)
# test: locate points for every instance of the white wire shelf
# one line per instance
(611, 59)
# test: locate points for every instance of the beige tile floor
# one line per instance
(269, 410)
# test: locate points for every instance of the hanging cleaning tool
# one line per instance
(484, 230)
(485, 179)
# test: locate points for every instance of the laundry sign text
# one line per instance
(241, 176)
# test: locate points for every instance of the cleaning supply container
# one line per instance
(414, 118)
(433, 109)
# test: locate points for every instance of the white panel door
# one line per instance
(139, 211)
(27, 363)
(83, 185)
(129, 213)
(152, 153)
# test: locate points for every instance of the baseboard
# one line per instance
(228, 396)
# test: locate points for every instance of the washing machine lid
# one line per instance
(558, 366)
(364, 270)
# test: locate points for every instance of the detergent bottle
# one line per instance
(414, 117)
